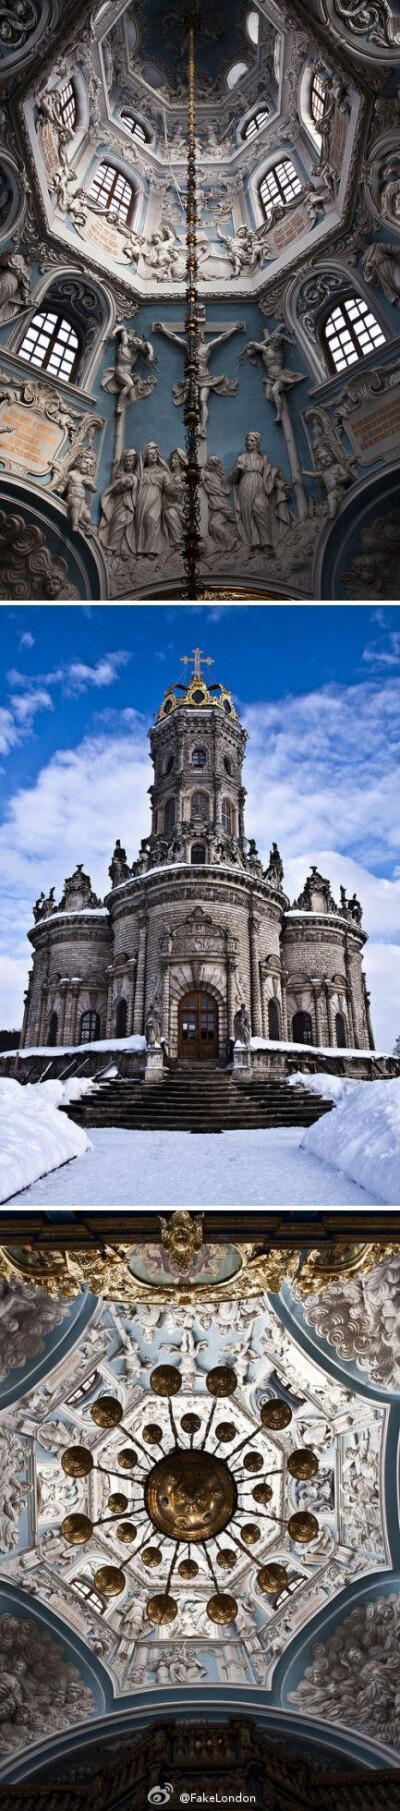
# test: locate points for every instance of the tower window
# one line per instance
(51, 344)
(255, 124)
(121, 1019)
(114, 193)
(90, 1027)
(199, 757)
(53, 1029)
(282, 183)
(302, 1032)
(340, 1027)
(350, 332)
(67, 105)
(134, 126)
(273, 1020)
(199, 804)
(319, 89)
(227, 764)
(198, 855)
(169, 815)
(227, 816)
(169, 764)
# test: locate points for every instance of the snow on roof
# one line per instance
(134, 1043)
(314, 1049)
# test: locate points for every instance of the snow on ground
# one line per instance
(34, 1136)
(332, 1087)
(180, 1169)
(361, 1138)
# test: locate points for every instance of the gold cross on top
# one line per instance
(200, 660)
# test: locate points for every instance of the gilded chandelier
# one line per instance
(190, 1482)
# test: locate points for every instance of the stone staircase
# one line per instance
(197, 1101)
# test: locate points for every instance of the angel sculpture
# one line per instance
(335, 468)
(123, 380)
(181, 1237)
(14, 285)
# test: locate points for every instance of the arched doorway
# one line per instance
(120, 1019)
(302, 1031)
(198, 1028)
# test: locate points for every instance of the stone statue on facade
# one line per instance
(274, 871)
(156, 493)
(43, 907)
(244, 249)
(382, 267)
(118, 507)
(153, 1026)
(174, 514)
(271, 350)
(207, 384)
(123, 380)
(119, 868)
(221, 525)
(242, 1026)
(14, 285)
(335, 468)
(80, 479)
(262, 496)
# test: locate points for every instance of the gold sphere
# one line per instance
(189, 1495)
(151, 1556)
(303, 1526)
(188, 1568)
(221, 1381)
(226, 1558)
(275, 1413)
(77, 1461)
(117, 1502)
(303, 1463)
(253, 1462)
(222, 1608)
(127, 1458)
(110, 1581)
(262, 1493)
(250, 1534)
(126, 1532)
(166, 1381)
(76, 1529)
(225, 1432)
(106, 1411)
(162, 1608)
(272, 1578)
(152, 1433)
(190, 1424)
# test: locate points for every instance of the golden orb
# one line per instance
(250, 1533)
(222, 1608)
(77, 1461)
(190, 1496)
(127, 1458)
(272, 1578)
(166, 1381)
(225, 1432)
(253, 1462)
(303, 1463)
(110, 1581)
(117, 1502)
(106, 1411)
(126, 1532)
(190, 1424)
(222, 1380)
(226, 1558)
(275, 1413)
(76, 1529)
(262, 1493)
(151, 1556)
(188, 1568)
(303, 1526)
(162, 1608)
(152, 1433)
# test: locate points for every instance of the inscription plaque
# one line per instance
(27, 439)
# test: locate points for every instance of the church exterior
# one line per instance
(196, 944)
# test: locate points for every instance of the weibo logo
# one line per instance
(160, 1795)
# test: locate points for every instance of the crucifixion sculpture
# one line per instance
(207, 384)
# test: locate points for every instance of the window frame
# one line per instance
(194, 852)
(199, 764)
(196, 810)
(292, 183)
(321, 98)
(342, 1043)
(93, 1036)
(97, 186)
(362, 308)
(52, 1041)
(169, 815)
(303, 1014)
(138, 132)
(37, 324)
(227, 808)
(255, 124)
(274, 1036)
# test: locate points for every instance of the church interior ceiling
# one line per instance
(298, 294)
(199, 1447)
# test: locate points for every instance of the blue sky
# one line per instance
(318, 688)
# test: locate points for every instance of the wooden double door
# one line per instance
(198, 1028)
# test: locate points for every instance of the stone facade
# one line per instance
(197, 919)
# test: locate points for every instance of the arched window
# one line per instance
(120, 1019)
(282, 183)
(273, 1020)
(349, 332)
(90, 1027)
(199, 804)
(134, 126)
(169, 816)
(227, 816)
(53, 1030)
(302, 1032)
(253, 26)
(235, 74)
(51, 344)
(340, 1028)
(198, 855)
(256, 123)
(319, 90)
(112, 191)
(169, 764)
(199, 757)
(227, 764)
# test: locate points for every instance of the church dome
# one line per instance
(197, 694)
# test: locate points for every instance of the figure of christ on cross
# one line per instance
(222, 386)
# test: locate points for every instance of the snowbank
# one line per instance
(313, 1049)
(333, 1087)
(34, 1136)
(362, 1137)
(133, 1043)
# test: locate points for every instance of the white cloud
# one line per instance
(8, 732)
(26, 640)
(26, 704)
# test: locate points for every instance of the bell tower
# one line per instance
(197, 798)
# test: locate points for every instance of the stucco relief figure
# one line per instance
(221, 526)
(80, 479)
(153, 1026)
(175, 509)
(40, 1691)
(375, 571)
(69, 194)
(335, 468)
(156, 492)
(271, 349)
(118, 507)
(262, 496)
(382, 267)
(163, 253)
(242, 1026)
(207, 384)
(124, 380)
(244, 249)
(274, 871)
(133, 247)
(14, 285)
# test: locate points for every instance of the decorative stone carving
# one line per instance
(274, 871)
(261, 493)
(124, 380)
(17, 23)
(316, 894)
(222, 530)
(15, 283)
(353, 1675)
(208, 385)
(271, 350)
(334, 467)
(244, 249)
(40, 1691)
(119, 867)
(27, 568)
(242, 1026)
(118, 507)
(43, 906)
(153, 1027)
(182, 1236)
(14, 1488)
(81, 477)
(27, 1316)
(375, 571)
(359, 1317)
(156, 493)
(78, 892)
(382, 265)
(377, 24)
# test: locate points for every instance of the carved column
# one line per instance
(242, 797)
(138, 1021)
(318, 1038)
(74, 1013)
(27, 1002)
(165, 995)
(43, 1014)
(329, 1012)
(217, 803)
(230, 971)
(349, 996)
(131, 967)
(285, 1033)
(256, 1015)
(110, 998)
(367, 998)
(64, 996)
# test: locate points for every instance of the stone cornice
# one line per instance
(180, 882)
